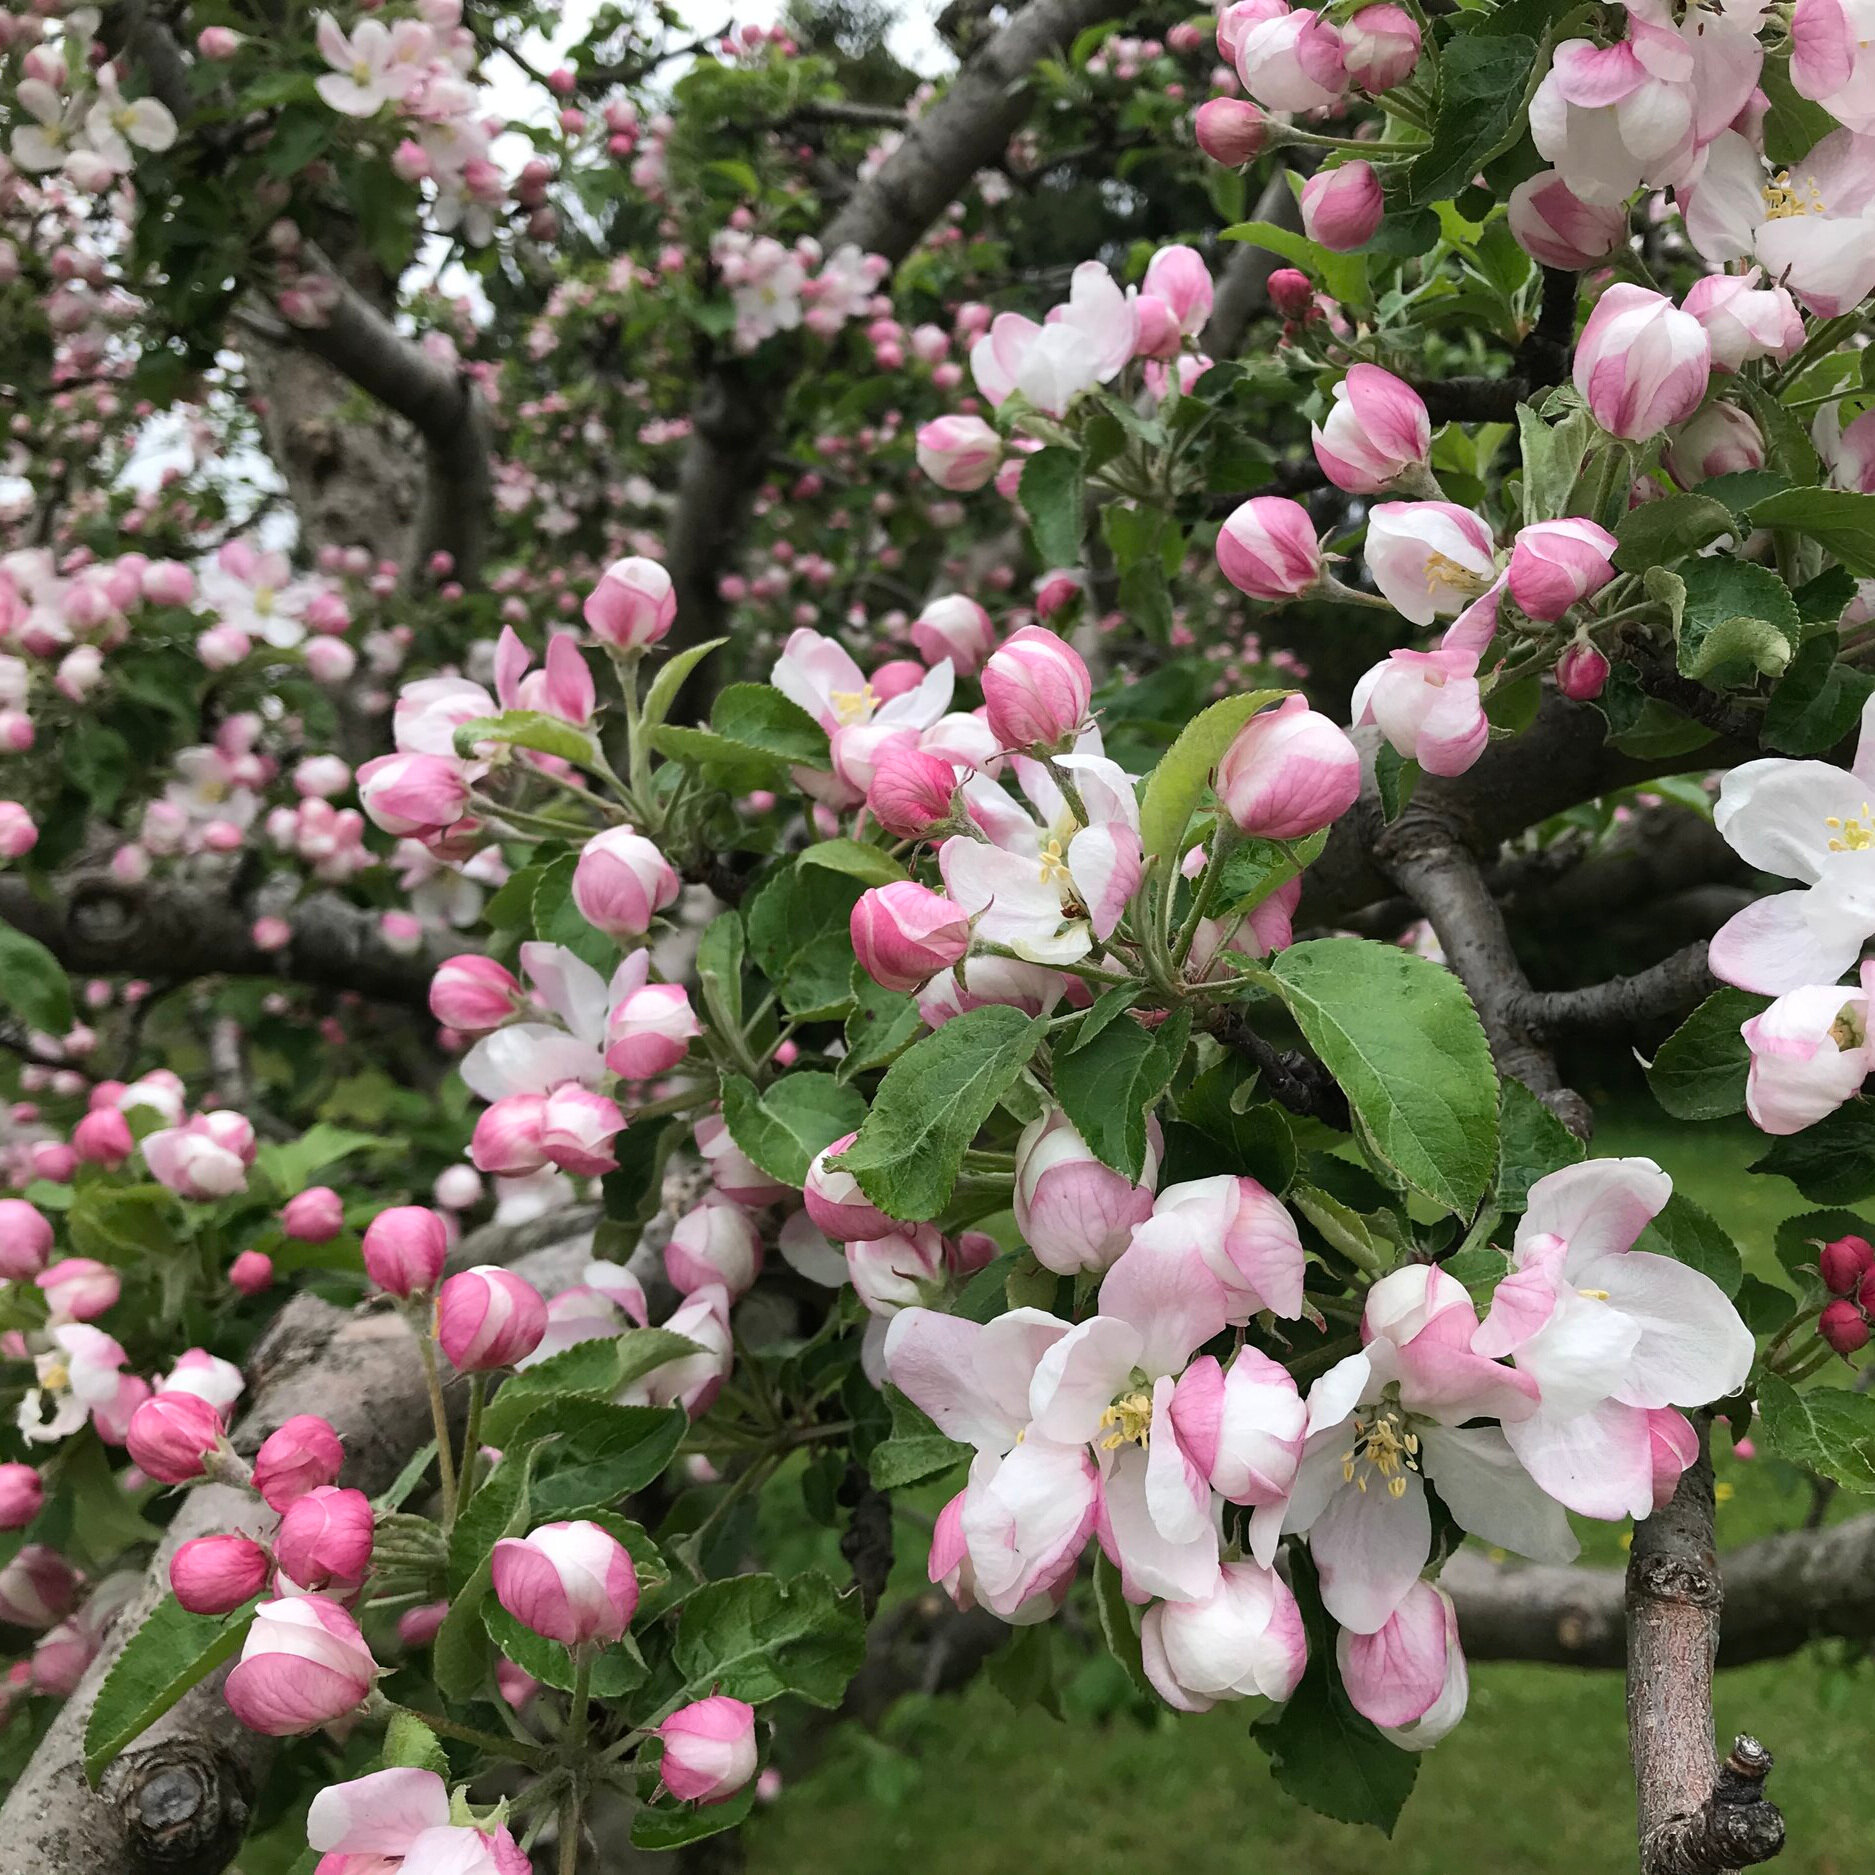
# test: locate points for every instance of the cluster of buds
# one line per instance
(1848, 1270)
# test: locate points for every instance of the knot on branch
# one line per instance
(1734, 1828)
(1687, 1581)
(866, 1542)
(185, 1807)
(103, 912)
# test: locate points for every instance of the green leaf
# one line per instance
(800, 934)
(1531, 1143)
(879, 1026)
(1800, 1239)
(732, 766)
(1736, 614)
(929, 1106)
(1552, 459)
(1110, 1083)
(1395, 776)
(670, 679)
(1482, 80)
(1763, 1307)
(1830, 1430)
(591, 1454)
(1402, 1038)
(782, 1127)
(1321, 1751)
(170, 1652)
(557, 919)
(409, 1744)
(758, 716)
(528, 729)
(1842, 520)
(501, 1507)
(1177, 785)
(1230, 1133)
(1116, 1622)
(1658, 532)
(1053, 496)
(1818, 701)
(1832, 1162)
(1693, 1237)
(719, 969)
(871, 865)
(1254, 868)
(1344, 275)
(292, 1165)
(105, 1521)
(756, 1637)
(1794, 125)
(1342, 1227)
(1699, 1071)
(914, 1450)
(33, 983)
(1023, 1669)
(590, 1370)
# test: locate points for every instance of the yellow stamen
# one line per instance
(55, 1377)
(853, 706)
(1594, 1295)
(1054, 864)
(1443, 570)
(1130, 1418)
(1386, 1446)
(1854, 836)
(1783, 197)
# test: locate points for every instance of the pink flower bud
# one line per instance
(1556, 228)
(251, 1273)
(1342, 207)
(80, 1289)
(622, 882)
(302, 1455)
(473, 994)
(418, 1627)
(1156, 333)
(897, 1270)
(632, 606)
(1073, 1212)
(1377, 432)
(567, 1582)
(457, 1188)
(1641, 364)
(303, 1664)
(507, 1138)
(329, 660)
(103, 1137)
(577, 1128)
(1843, 1327)
(1291, 293)
(1673, 1446)
(25, 1239)
(1380, 47)
(171, 1436)
(1582, 672)
(1245, 1640)
(911, 791)
(1267, 548)
(1717, 440)
(18, 834)
(1235, 21)
(904, 934)
(1742, 320)
(1810, 1052)
(1036, 690)
(21, 1496)
(315, 1215)
(1231, 131)
(1292, 61)
(37, 1588)
(214, 1575)
(1178, 277)
(954, 627)
(404, 1249)
(218, 42)
(714, 1242)
(959, 453)
(650, 1031)
(1409, 1678)
(324, 1539)
(407, 794)
(835, 1202)
(488, 1318)
(1288, 773)
(1554, 564)
(709, 1749)
(1844, 1263)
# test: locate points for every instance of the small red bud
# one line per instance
(1843, 1326)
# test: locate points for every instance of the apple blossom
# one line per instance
(1378, 434)
(569, 1582)
(1556, 564)
(622, 882)
(297, 1457)
(1268, 549)
(488, 1318)
(1342, 207)
(1231, 131)
(709, 1749)
(959, 453)
(404, 1248)
(1810, 1051)
(303, 1664)
(214, 1575)
(1719, 439)
(713, 1243)
(1288, 773)
(904, 934)
(1245, 1640)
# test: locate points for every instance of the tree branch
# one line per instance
(1243, 287)
(1299, 1081)
(737, 405)
(178, 930)
(1667, 988)
(1690, 1820)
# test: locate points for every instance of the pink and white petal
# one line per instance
(1771, 947)
(1522, 1302)
(1580, 1356)
(570, 987)
(1597, 1464)
(1026, 1516)
(1178, 1496)
(1338, 1392)
(1370, 1547)
(1393, 1675)
(1595, 1207)
(1693, 1347)
(1171, 1298)
(529, 1058)
(931, 1359)
(1007, 1354)
(1159, 1670)
(1104, 863)
(1150, 1564)
(382, 1813)
(1442, 1377)
(1480, 1481)
(1078, 1377)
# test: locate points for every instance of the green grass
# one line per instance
(1535, 1781)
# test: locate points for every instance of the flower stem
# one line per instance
(439, 1418)
(471, 1440)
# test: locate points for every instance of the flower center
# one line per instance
(1443, 570)
(55, 1377)
(853, 706)
(1130, 1420)
(1850, 1029)
(1384, 1446)
(361, 72)
(1784, 197)
(1054, 863)
(1853, 836)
